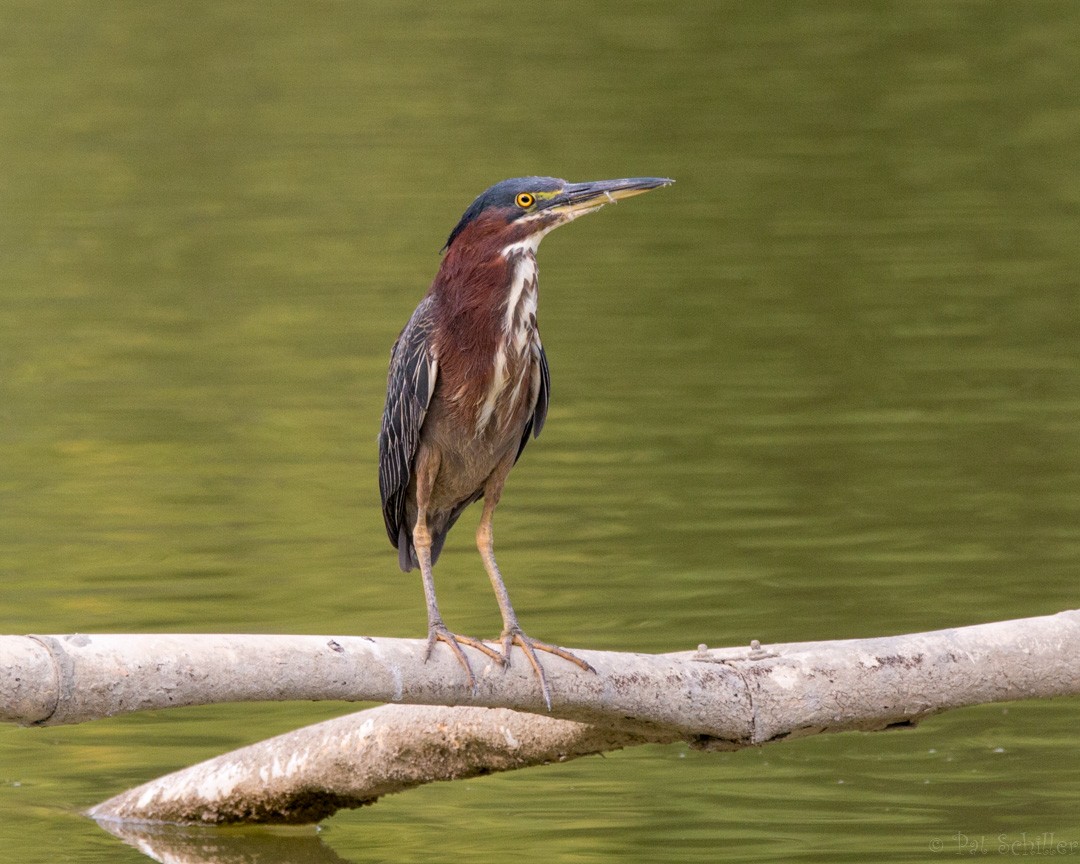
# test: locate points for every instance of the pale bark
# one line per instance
(306, 775)
(78, 678)
(714, 699)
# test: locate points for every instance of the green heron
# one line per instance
(469, 384)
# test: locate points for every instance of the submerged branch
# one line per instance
(307, 775)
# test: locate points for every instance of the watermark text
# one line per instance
(1016, 845)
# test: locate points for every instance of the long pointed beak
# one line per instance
(578, 198)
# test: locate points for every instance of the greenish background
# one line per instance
(827, 385)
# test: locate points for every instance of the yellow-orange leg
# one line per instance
(437, 630)
(512, 633)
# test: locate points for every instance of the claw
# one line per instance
(530, 646)
(438, 632)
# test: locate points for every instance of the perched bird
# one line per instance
(469, 384)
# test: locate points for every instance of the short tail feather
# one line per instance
(407, 552)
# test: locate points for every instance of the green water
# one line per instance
(827, 385)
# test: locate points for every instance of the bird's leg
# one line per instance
(437, 630)
(512, 633)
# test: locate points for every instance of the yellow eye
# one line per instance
(524, 200)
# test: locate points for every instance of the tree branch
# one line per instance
(306, 775)
(71, 679)
(714, 699)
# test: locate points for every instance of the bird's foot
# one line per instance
(438, 632)
(515, 636)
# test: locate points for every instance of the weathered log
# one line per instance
(79, 678)
(306, 775)
(714, 699)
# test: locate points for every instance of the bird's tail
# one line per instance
(440, 526)
(406, 554)
(407, 559)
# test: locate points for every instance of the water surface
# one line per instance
(826, 386)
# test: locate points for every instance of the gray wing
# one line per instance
(409, 385)
(536, 421)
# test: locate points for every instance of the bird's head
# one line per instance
(524, 209)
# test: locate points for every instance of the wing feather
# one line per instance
(410, 384)
(543, 394)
